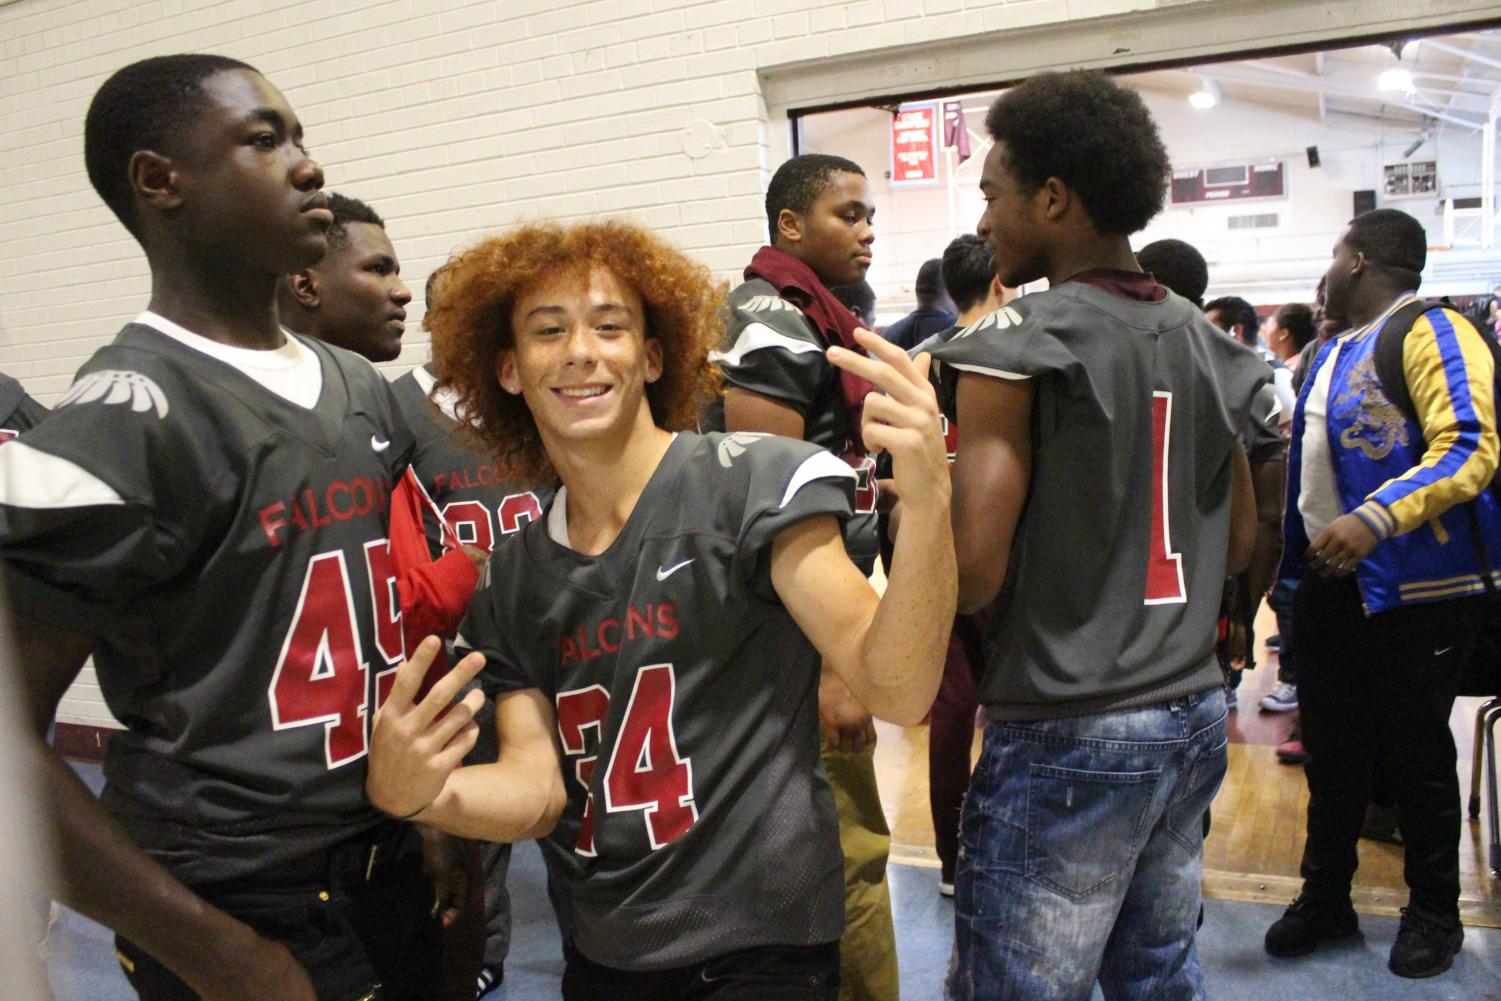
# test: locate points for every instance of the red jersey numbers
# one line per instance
(321, 675)
(646, 772)
(1164, 566)
(866, 491)
(580, 710)
(471, 523)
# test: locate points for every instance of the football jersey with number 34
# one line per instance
(699, 821)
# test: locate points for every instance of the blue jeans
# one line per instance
(1080, 853)
(1281, 600)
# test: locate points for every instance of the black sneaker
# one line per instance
(1425, 946)
(1307, 923)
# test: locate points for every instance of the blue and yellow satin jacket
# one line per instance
(1412, 484)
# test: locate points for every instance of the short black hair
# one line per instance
(347, 210)
(1177, 265)
(929, 278)
(1235, 310)
(968, 270)
(1091, 133)
(859, 297)
(1297, 319)
(797, 184)
(1390, 238)
(146, 105)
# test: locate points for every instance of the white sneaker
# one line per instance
(945, 889)
(1283, 698)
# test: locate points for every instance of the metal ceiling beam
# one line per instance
(1455, 50)
(1328, 86)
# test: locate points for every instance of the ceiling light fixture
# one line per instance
(1398, 79)
(1207, 96)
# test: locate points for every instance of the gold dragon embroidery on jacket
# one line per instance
(1378, 426)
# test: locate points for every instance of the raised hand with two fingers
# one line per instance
(416, 744)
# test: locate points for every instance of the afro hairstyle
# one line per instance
(1091, 133)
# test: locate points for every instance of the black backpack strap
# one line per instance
(1388, 354)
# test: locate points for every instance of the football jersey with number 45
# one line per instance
(227, 548)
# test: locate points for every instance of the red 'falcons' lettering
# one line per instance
(467, 479)
(644, 622)
(340, 500)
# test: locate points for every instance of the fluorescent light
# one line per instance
(1398, 79)
(1207, 96)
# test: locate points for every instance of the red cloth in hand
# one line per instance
(433, 594)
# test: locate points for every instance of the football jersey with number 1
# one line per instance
(227, 548)
(1116, 569)
(699, 820)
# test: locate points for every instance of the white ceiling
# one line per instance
(1455, 77)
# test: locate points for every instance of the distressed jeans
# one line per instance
(1081, 850)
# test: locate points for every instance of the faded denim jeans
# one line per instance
(1080, 854)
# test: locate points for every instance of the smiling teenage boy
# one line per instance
(819, 210)
(204, 513)
(666, 621)
(1099, 497)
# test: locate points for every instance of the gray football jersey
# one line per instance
(1116, 570)
(18, 411)
(475, 497)
(699, 820)
(772, 349)
(228, 550)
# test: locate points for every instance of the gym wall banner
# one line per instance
(914, 145)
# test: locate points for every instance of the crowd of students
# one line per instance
(639, 514)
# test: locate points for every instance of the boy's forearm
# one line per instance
(904, 647)
(507, 801)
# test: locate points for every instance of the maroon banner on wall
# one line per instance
(914, 145)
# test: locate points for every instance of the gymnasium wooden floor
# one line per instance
(1257, 837)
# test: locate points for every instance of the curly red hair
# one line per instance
(471, 326)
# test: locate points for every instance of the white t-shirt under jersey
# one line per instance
(291, 371)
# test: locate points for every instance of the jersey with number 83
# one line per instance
(698, 821)
(227, 548)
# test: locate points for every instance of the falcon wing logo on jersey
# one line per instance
(768, 304)
(999, 320)
(110, 386)
(734, 445)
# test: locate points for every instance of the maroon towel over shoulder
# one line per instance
(797, 283)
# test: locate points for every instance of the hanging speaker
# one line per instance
(1313, 156)
(1365, 201)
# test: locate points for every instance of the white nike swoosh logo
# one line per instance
(377, 444)
(1440, 653)
(668, 572)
